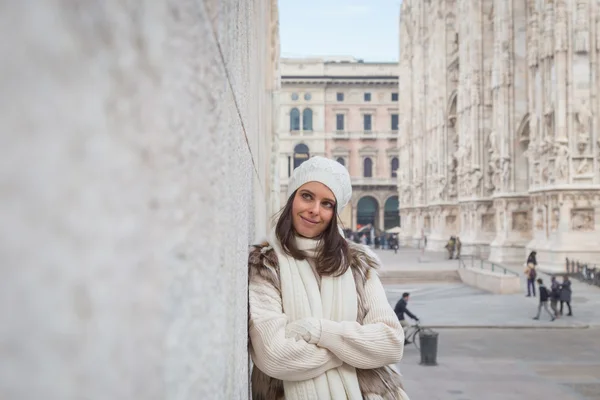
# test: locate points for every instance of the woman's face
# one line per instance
(312, 209)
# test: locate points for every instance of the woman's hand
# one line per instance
(307, 329)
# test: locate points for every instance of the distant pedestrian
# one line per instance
(565, 295)
(531, 273)
(450, 247)
(544, 296)
(395, 244)
(400, 310)
(458, 247)
(554, 295)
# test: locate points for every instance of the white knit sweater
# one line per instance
(379, 341)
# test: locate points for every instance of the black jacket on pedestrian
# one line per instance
(543, 294)
(400, 309)
(532, 258)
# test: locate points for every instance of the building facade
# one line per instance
(499, 108)
(346, 110)
(136, 170)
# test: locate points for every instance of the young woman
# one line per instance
(530, 273)
(320, 325)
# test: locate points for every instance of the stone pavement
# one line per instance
(477, 364)
(456, 305)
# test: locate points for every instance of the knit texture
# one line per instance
(375, 343)
(328, 172)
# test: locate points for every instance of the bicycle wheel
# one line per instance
(416, 338)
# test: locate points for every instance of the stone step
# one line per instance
(416, 276)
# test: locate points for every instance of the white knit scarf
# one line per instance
(335, 301)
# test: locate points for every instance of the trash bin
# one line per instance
(428, 340)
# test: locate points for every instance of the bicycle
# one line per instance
(412, 334)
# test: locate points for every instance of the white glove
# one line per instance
(307, 329)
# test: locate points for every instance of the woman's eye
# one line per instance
(306, 196)
(328, 204)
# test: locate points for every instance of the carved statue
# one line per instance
(561, 163)
(583, 119)
(555, 219)
(582, 220)
(582, 27)
(506, 172)
(476, 176)
(539, 220)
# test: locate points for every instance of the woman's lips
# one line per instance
(309, 221)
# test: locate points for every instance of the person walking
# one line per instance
(450, 247)
(319, 324)
(565, 295)
(554, 295)
(400, 310)
(458, 246)
(531, 273)
(544, 296)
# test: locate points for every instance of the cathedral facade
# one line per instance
(499, 114)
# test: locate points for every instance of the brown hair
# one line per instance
(333, 252)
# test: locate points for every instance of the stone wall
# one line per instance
(499, 141)
(136, 163)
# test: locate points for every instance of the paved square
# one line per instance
(489, 364)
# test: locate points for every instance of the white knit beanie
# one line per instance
(329, 172)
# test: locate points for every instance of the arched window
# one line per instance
(394, 167)
(391, 214)
(301, 154)
(367, 212)
(368, 168)
(295, 119)
(307, 116)
(341, 161)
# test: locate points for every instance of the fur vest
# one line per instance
(377, 384)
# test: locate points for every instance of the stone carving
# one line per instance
(584, 167)
(561, 164)
(555, 219)
(549, 30)
(487, 223)
(582, 219)
(582, 33)
(560, 26)
(501, 220)
(583, 119)
(451, 223)
(539, 219)
(597, 31)
(520, 221)
(476, 175)
(506, 173)
(532, 54)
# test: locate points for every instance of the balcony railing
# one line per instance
(365, 135)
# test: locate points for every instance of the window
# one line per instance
(307, 119)
(394, 122)
(294, 96)
(394, 96)
(367, 96)
(368, 168)
(341, 161)
(367, 122)
(339, 96)
(307, 96)
(339, 122)
(295, 119)
(394, 166)
(301, 154)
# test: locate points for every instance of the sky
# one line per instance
(366, 29)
